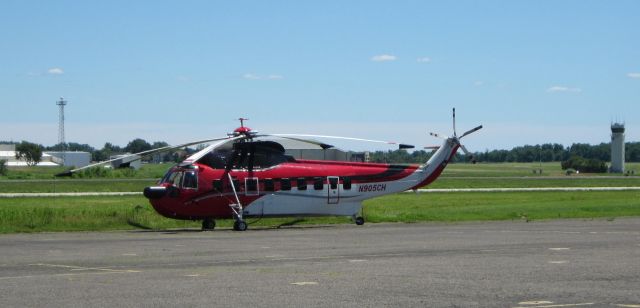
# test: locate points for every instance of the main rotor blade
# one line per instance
(400, 145)
(471, 131)
(139, 155)
(197, 155)
(322, 145)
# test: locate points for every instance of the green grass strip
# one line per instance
(134, 212)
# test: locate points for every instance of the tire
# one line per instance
(240, 225)
(208, 224)
(359, 221)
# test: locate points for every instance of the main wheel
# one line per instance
(359, 221)
(240, 225)
(208, 224)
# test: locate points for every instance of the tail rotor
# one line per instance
(456, 139)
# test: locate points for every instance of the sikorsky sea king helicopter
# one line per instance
(243, 175)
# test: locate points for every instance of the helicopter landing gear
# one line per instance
(208, 224)
(240, 225)
(359, 220)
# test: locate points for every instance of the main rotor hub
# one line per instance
(242, 130)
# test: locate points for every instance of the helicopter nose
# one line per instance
(155, 192)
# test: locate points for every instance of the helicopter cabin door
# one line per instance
(333, 190)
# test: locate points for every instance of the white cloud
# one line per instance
(55, 71)
(251, 76)
(424, 60)
(274, 77)
(563, 89)
(634, 75)
(383, 58)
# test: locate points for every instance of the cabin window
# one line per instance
(251, 184)
(333, 182)
(285, 184)
(268, 185)
(302, 184)
(346, 183)
(318, 183)
(190, 180)
(217, 185)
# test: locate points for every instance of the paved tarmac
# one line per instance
(562, 263)
(432, 190)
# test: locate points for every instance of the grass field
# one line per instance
(134, 212)
(74, 185)
(48, 173)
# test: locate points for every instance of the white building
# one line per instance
(126, 161)
(49, 159)
(75, 159)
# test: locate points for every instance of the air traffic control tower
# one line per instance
(617, 148)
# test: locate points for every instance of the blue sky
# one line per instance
(529, 71)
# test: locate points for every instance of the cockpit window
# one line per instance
(175, 179)
(165, 178)
(181, 179)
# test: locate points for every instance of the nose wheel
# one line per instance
(208, 224)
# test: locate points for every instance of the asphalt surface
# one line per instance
(562, 263)
(434, 190)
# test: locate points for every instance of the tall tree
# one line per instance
(137, 145)
(30, 152)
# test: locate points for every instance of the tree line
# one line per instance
(528, 153)
(548, 152)
(32, 152)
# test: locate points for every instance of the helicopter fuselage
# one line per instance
(288, 187)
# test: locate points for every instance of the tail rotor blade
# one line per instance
(438, 136)
(467, 153)
(454, 122)
(471, 131)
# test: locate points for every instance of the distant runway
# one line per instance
(563, 263)
(435, 190)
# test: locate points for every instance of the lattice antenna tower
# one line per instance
(61, 103)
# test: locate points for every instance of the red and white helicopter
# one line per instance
(243, 175)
